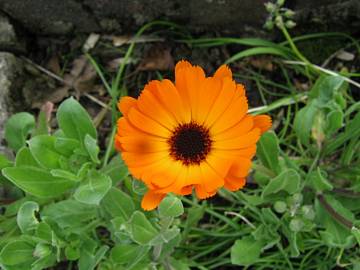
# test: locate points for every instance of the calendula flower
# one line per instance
(194, 134)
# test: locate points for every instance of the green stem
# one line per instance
(109, 148)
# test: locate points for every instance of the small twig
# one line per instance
(330, 72)
(346, 193)
(339, 218)
(97, 101)
(44, 70)
(242, 217)
(61, 80)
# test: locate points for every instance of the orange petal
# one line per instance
(195, 77)
(241, 167)
(248, 152)
(180, 65)
(240, 88)
(140, 160)
(164, 174)
(209, 90)
(125, 128)
(117, 143)
(201, 192)
(170, 98)
(232, 115)
(147, 124)
(222, 101)
(218, 163)
(191, 80)
(149, 172)
(143, 144)
(242, 127)
(242, 141)
(151, 200)
(263, 122)
(233, 183)
(150, 106)
(187, 190)
(223, 72)
(125, 104)
(178, 174)
(210, 180)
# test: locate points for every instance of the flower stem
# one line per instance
(339, 218)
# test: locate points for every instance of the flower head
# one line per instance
(194, 134)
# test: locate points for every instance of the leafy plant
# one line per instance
(70, 209)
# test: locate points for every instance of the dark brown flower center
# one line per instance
(190, 143)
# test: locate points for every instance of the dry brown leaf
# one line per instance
(54, 96)
(301, 86)
(54, 65)
(264, 63)
(47, 108)
(114, 64)
(90, 42)
(345, 56)
(120, 40)
(126, 39)
(157, 58)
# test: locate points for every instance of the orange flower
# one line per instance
(194, 134)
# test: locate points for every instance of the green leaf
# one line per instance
(66, 146)
(118, 203)
(171, 206)
(334, 121)
(268, 151)
(4, 162)
(334, 235)
(69, 213)
(125, 253)
(17, 252)
(17, 129)
(25, 158)
(44, 232)
(65, 174)
(72, 253)
(258, 51)
(165, 237)
(325, 88)
(304, 120)
(288, 180)
(36, 181)
(74, 121)
(352, 130)
(319, 182)
(94, 189)
(26, 218)
(141, 230)
(92, 148)
(42, 127)
(44, 262)
(88, 261)
(116, 169)
(246, 251)
(356, 233)
(43, 149)
(42, 250)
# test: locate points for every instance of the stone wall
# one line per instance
(52, 17)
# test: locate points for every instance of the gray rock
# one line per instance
(50, 16)
(10, 89)
(228, 17)
(8, 37)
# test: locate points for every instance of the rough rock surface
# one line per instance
(8, 38)
(10, 87)
(227, 16)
